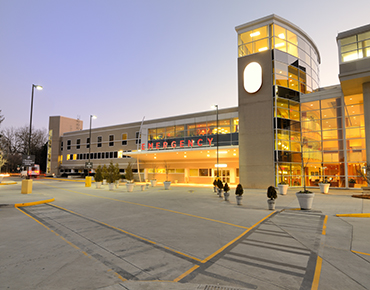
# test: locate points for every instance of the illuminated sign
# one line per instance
(177, 144)
(252, 77)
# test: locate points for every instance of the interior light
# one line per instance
(280, 44)
(263, 48)
(282, 35)
(255, 34)
(221, 165)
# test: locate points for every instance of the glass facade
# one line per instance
(227, 130)
(355, 47)
(296, 64)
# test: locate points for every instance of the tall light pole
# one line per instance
(91, 117)
(216, 107)
(29, 137)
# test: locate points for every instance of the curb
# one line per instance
(7, 183)
(23, 204)
(358, 215)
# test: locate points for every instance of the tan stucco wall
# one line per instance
(256, 138)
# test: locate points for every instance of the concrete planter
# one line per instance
(283, 188)
(104, 182)
(239, 199)
(167, 185)
(153, 182)
(219, 192)
(271, 204)
(1, 178)
(130, 187)
(111, 186)
(98, 184)
(226, 195)
(324, 187)
(305, 200)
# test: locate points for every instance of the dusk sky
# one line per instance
(122, 60)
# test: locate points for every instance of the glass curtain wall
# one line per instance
(355, 139)
(323, 145)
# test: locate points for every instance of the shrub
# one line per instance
(226, 187)
(220, 185)
(129, 174)
(98, 174)
(239, 190)
(271, 193)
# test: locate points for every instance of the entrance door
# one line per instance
(224, 174)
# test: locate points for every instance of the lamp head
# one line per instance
(214, 106)
(38, 87)
(93, 117)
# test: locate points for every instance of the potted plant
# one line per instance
(283, 187)
(351, 182)
(305, 197)
(104, 174)
(111, 176)
(272, 195)
(215, 185)
(167, 182)
(324, 186)
(220, 186)
(239, 192)
(130, 178)
(153, 181)
(226, 192)
(98, 177)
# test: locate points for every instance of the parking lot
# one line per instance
(182, 238)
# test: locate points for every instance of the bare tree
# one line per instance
(14, 143)
(2, 160)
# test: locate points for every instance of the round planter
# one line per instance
(1, 178)
(153, 182)
(305, 200)
(226, 195)
(167, 184)
(98, 184)
(324, 187)
(111, 186)
(104, 182)
(351, 184)
(271, 204)
(239, 199)
(117, 183)
(130, 187)
(219, 192)
(283, 188)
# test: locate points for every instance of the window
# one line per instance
(61, 146)
(138, 140)
(124, 139)
(87, 142)
(111, 140)
(68, 144)
(100, 138)
(78, 142)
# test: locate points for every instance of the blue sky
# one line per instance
(122, 60)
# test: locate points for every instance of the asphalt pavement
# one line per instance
(283, 249)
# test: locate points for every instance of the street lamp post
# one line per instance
(91, 117)
(217, 165)
(29, 137)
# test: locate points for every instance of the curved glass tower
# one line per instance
(289, 60)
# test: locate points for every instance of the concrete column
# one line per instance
(366, 95)
(146, 174)
(232, 175)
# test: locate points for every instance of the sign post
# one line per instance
(88, 166)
